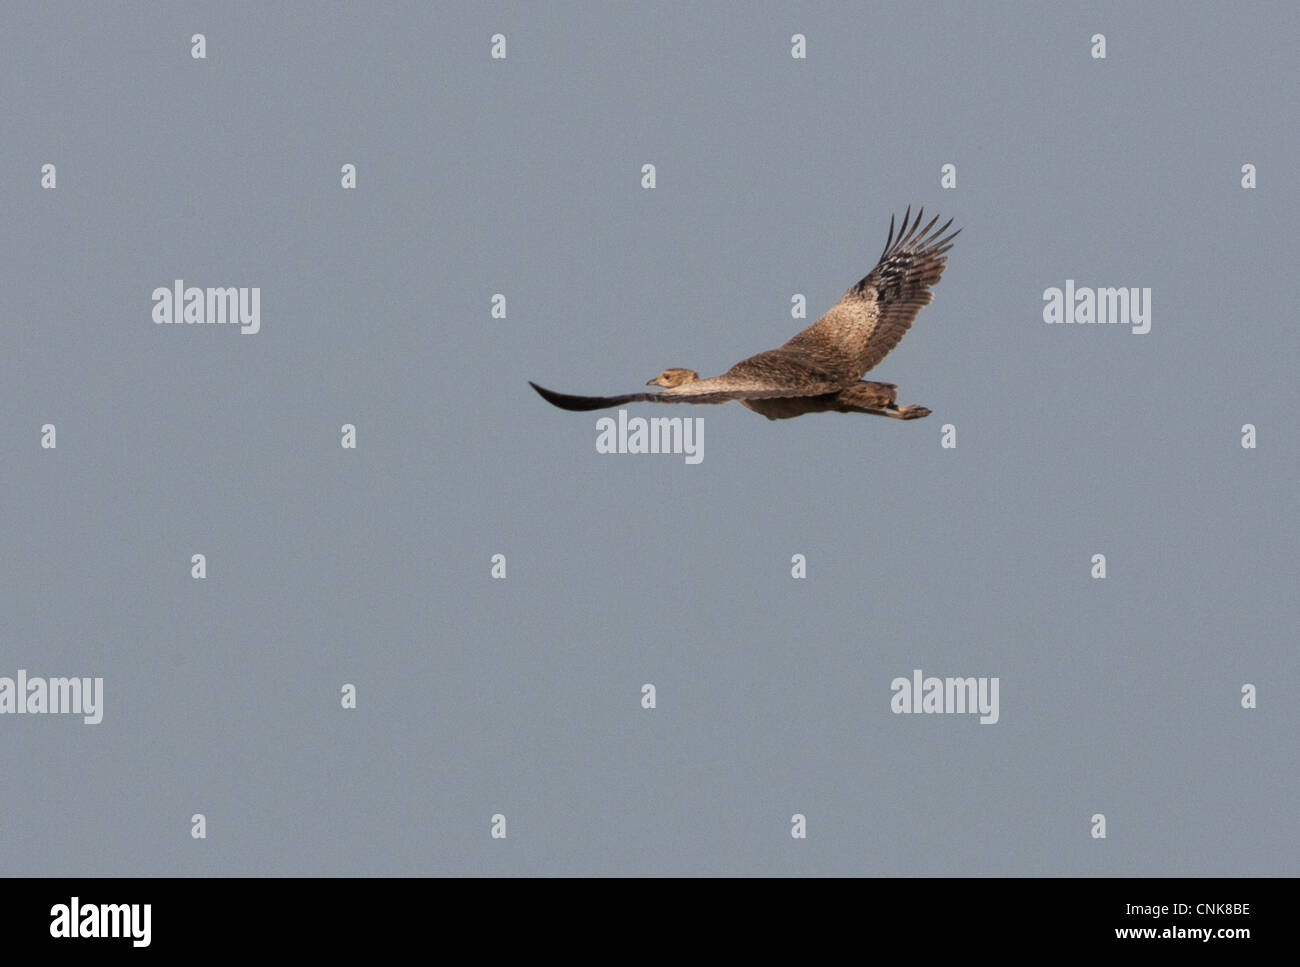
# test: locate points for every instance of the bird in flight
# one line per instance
(820, 370)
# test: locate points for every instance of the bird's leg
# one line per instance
(894, 412)
(911, 412)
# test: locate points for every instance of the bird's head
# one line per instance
(674, 377)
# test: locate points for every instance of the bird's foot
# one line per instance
(912, 412)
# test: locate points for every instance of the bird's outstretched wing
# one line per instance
(717, 389)
(859, 331)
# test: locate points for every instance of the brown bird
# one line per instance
(820, 370)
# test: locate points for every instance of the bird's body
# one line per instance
(862, 397)
(821, 368)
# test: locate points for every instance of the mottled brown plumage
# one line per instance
(821, 368)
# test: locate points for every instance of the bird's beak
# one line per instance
(652, 382)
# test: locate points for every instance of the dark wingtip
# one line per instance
(550, 396)
(578, 403)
